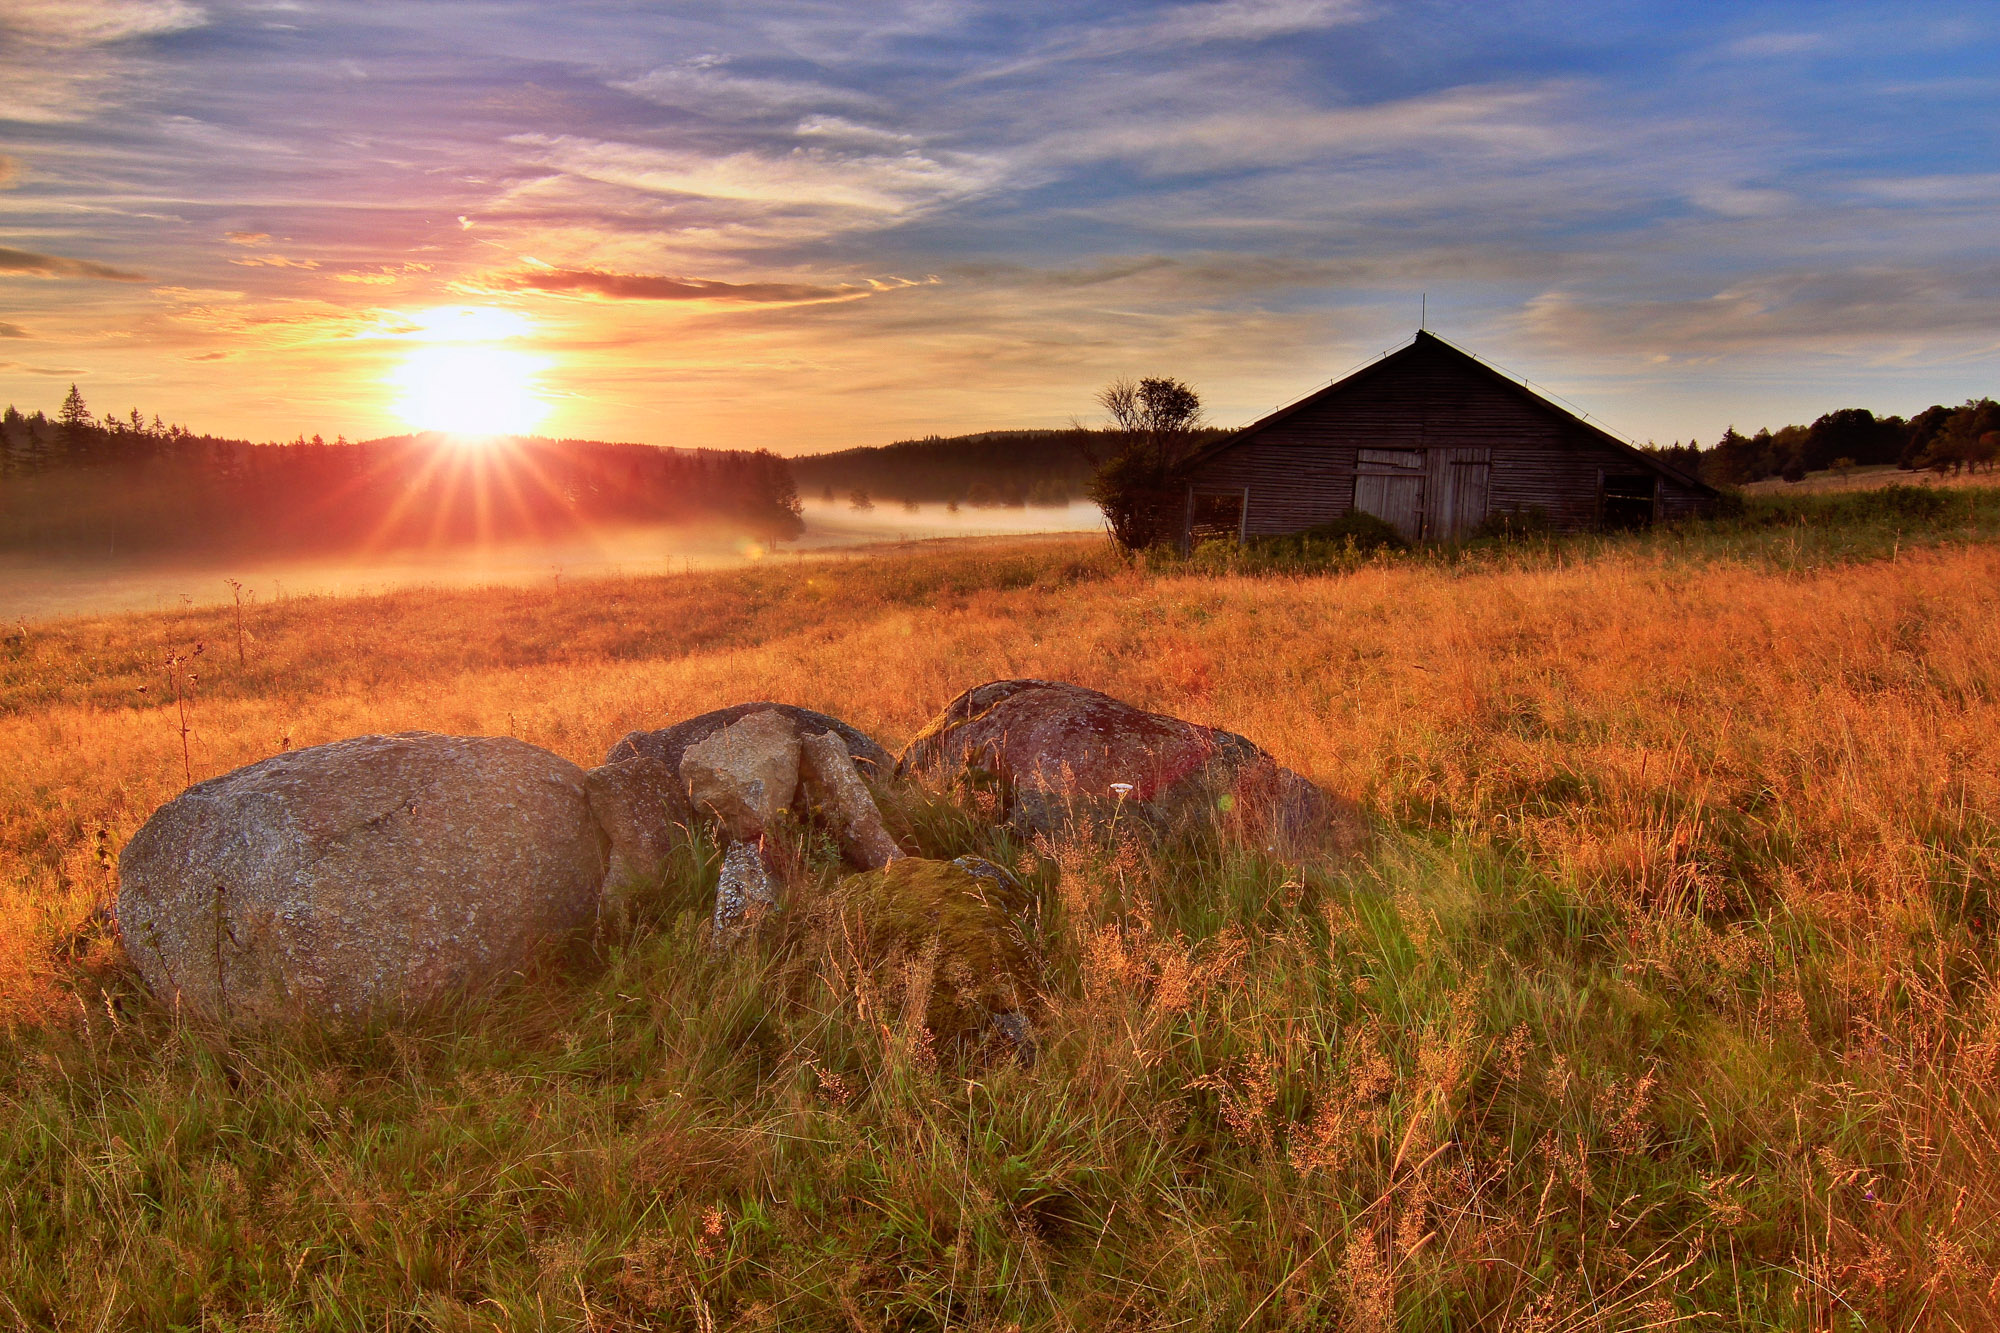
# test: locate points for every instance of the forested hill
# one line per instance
(121, 487)
(997, 467)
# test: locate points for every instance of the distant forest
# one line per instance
(1938, 439)
(82, 486)
(992, 468)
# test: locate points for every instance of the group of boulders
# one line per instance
(390, 872)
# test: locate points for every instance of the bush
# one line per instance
(1142, 498)
(1353, 531)
(1510, 525)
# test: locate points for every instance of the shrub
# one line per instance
(1515, 525)
(1141, 498)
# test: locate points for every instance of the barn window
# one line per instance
(1628, 499)
(1215, 516)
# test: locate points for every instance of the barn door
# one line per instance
(1462, 480)
(1389, 483)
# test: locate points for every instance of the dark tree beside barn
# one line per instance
(1139, 487)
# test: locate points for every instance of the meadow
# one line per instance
(1666, 997)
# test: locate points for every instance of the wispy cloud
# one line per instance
(706, 84)
(29, 263)
(76, 23)
(653, 287)
(1516, 122)
(888, 185)
(1188, 25)
(1870, 313)
(1779, 44)
(62, 59)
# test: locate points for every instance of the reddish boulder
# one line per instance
(1050, 747)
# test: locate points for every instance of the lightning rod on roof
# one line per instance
(1423, 311)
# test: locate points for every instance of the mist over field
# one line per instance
(37, 588)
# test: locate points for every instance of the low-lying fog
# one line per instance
(32, 589)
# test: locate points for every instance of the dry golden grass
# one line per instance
(1670, 998)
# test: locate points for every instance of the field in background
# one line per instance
(1867, 479)
(1668, 997)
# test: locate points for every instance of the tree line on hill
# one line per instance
(81, 485)
(1938, 439)
(989, 469)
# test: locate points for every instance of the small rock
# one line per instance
(743, 893)
(828, 777)
(1001, 878)
(1016, 1033)
(745, 773)
(643, 810)
(377, 873)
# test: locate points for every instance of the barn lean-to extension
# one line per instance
(1436, 442)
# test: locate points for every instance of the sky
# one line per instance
(807, 225)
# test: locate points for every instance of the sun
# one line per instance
(468, 374)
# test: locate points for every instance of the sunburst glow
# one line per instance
(464, 379)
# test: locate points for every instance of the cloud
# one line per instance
(1764, 45)
(13, 331)
(1864, 312)
(247, 237)
(274, 261)
(1978, 189)
(55, 266)
(1245, 20)
(838, 129)
(62, 59)
(10, 171)
(706, 85)
(76, 23)
(1742, 201)
(1181, 26)
(890, 184)
(651, 287)
(1505, 121)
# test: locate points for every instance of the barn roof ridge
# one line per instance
(1520, 387)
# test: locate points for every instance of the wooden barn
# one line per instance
(1436, 442)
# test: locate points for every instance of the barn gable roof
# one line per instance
(1427, 342)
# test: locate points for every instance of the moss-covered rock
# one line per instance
(966, 923)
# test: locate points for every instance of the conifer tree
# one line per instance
(74, 421)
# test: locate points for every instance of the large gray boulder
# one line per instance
(1051, 748)
(669, 743)
(378, 873)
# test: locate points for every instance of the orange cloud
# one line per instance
(55, 266)
(652, 287)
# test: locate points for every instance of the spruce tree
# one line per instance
(75, 423)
